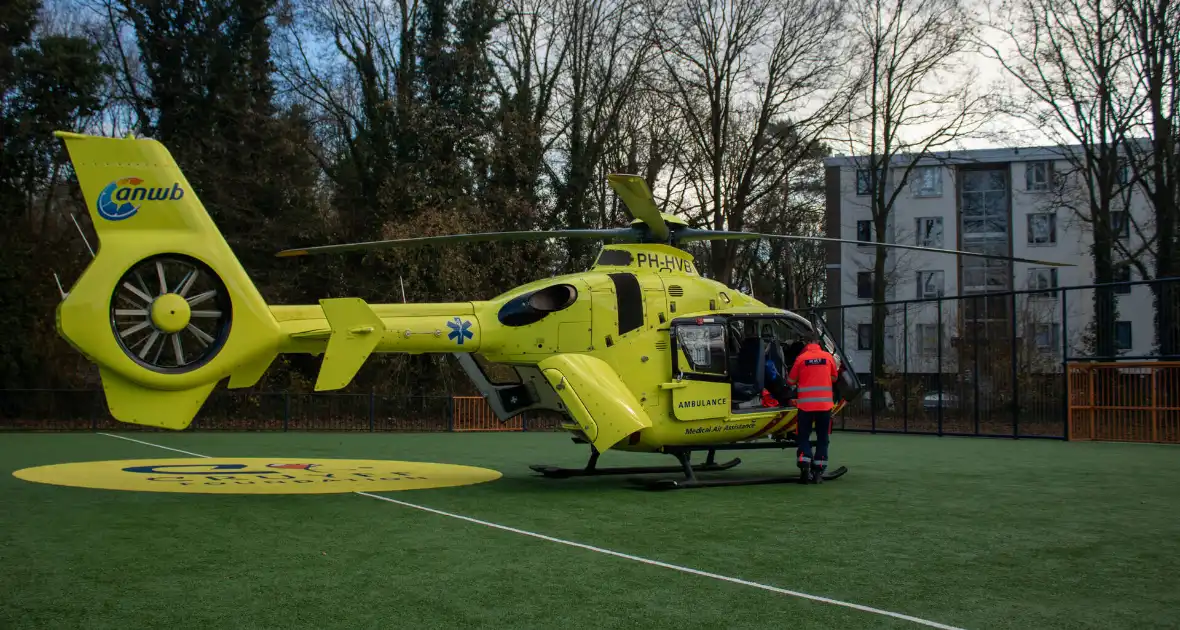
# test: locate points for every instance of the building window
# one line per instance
(1122, 335)
(864, 336)
(1122, 274)
(1045, 336)
(1120, 224)
(1038, 176)
(929, 231)
(864, 231)
(930, 284)
(1042, 228)
(863, 185)
(928, 339)
(1043, 278)
(1123, 175)
(864, 285)
(926, 181)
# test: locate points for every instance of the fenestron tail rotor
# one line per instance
(170, 313)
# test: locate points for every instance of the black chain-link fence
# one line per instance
(228, 410)
(990, 365)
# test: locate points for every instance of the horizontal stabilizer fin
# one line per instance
(165, 409)
(356, 331)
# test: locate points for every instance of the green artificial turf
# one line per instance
(973, 533)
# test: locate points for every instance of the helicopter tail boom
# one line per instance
(347, 330)
(165, 309)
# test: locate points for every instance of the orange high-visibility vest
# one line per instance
(814, 372)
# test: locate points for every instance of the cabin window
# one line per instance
(703, 347)
(615, 258)
(629, 296)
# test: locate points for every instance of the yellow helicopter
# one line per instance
(639, 353)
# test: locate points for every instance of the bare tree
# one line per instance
(789, 274)
(608, 46)
(1154, 27)
(361, 92)
(788, 57)
(529, 61)
(1073, 61)
(917, 97)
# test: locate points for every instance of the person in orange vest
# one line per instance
(814, 373)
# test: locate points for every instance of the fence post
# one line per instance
(905, 370)
(975, 366)
(1015, 376)
(372, 410)
(939, 375)
(286, 409)
(844, 344)
(451, 414)
(1064, 366)
(1155, 422)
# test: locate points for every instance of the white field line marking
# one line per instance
(155, 445)
(617, 554)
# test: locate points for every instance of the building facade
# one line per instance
(1022, 202)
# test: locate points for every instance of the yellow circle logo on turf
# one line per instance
(253, 475)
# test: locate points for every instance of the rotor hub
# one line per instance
(171, 313)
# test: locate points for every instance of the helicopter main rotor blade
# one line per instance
(529, 235)
(637, 197)
(713, 235)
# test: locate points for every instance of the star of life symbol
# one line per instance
(459, 330)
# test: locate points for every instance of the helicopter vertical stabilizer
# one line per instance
(165, 309)
(604, 408)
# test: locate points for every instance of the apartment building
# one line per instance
(1012, 201)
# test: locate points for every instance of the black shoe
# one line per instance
(817, 475)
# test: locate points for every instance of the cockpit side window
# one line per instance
(703, 347)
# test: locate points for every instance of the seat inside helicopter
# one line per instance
(752, 342)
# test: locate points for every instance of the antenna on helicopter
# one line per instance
(60, 290)
(83, 234)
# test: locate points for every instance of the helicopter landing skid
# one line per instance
(592, 470)
(693, 482)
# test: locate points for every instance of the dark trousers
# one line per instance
(821, 421)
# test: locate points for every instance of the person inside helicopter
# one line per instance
(759, 364)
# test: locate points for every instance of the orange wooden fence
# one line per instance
(1125, 402)
(472, 413)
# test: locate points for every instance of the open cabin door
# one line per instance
(701, 388)
(848, 385)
